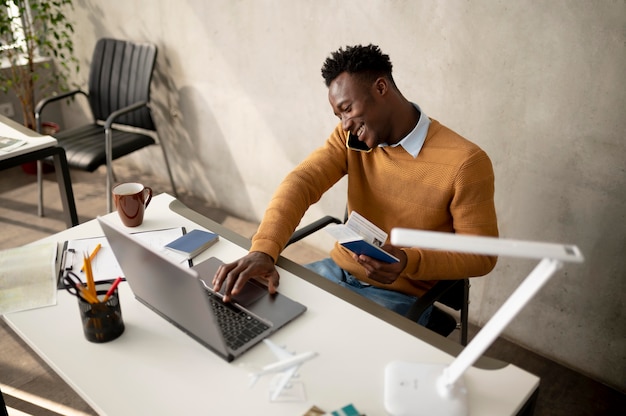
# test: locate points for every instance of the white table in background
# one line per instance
(39, 147)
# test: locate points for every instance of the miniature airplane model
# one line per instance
(287, 365)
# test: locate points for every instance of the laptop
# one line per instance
(184, 297)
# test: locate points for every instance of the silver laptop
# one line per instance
(183, 296)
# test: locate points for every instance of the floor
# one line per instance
(28, 384)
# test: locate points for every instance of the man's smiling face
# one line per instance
(358, 105)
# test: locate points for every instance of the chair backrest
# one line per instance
(120, 75)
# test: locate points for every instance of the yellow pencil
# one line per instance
(85, 294)
(91, 285)
(92, 255)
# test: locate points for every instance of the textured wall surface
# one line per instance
(239, 101)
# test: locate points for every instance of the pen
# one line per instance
(112, 289)
(93, 255)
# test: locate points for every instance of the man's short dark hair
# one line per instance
(365, 61)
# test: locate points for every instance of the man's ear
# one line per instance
(381, 86)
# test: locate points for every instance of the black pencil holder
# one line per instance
(102, 321)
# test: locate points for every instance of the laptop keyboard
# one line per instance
(237, 325)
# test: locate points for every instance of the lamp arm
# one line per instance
(522, 295)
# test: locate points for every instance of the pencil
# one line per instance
(86, 295)
(92, 255)
(91, 285)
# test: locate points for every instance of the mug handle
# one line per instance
(147, 188)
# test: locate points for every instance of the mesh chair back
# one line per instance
(120, 75)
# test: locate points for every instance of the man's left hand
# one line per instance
(381, 271)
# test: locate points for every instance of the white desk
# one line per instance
(39, 147)
(155, 369)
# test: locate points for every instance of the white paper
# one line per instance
(9, 143)
(27, 277)
(104, 265)
(365, 229)
(342, 233)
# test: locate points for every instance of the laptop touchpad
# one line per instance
(251, 292)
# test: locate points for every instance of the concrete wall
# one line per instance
(539, 85)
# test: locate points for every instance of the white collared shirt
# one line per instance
(414, 141)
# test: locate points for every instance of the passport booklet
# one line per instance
(361, 237)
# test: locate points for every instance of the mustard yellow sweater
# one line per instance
(449, 187)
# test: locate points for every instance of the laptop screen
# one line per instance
(170, 289)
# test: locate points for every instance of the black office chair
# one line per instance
(452, 293)
(119, 95)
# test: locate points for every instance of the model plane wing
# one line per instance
(287, 366)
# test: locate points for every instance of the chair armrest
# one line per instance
(313, 227)
(434, 294)
(111, 119)
(45, 101)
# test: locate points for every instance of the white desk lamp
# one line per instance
(439, 389)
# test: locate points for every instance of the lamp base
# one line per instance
(417, 389)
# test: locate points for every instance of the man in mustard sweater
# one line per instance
(418, 174)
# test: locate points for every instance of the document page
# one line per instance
(27, 277)
(8, 143)
(104, 264)
(361, 237)
(370, 232)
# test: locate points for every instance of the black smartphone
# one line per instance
(355, 144)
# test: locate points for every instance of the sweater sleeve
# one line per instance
(301, 188)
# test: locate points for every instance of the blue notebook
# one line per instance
(193, 243)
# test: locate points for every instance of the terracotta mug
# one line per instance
(131, 200)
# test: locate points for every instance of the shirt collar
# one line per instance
(414, 141)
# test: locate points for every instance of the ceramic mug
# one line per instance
(131, 200)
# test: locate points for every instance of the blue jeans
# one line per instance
(396, 301)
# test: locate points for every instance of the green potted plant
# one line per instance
(36, 49)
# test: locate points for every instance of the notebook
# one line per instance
(193, 243)
(183, 296)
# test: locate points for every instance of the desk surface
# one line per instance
(154, 368)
